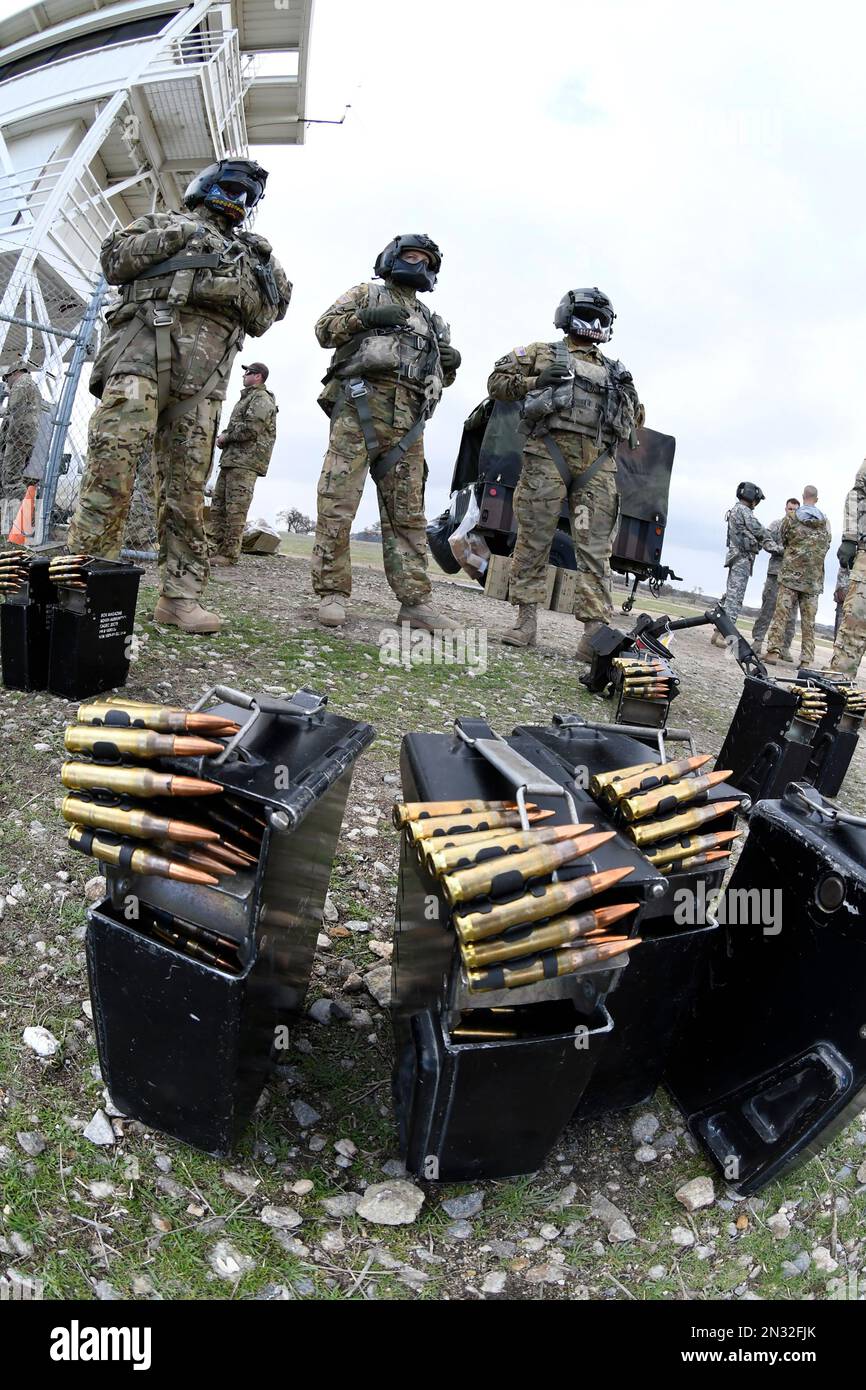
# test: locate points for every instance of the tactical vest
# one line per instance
(592, 402)
(409, 353)
(228, 277)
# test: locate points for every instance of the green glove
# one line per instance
(383, 316)
(845, 554)
(552, 376)
(451, 358)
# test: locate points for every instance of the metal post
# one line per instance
(64, 409)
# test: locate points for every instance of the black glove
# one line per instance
(451, 358)
(552, 376)
(383, 316)
(845, 554)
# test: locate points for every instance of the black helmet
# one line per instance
(585, 314)
(749, 492)
(390, 262)
(232, 186)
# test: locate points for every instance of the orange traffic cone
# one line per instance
(24, 524)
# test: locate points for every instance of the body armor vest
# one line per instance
(592, 402)
(410, 353)
(225, 277)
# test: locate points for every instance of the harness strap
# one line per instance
(357, 394)
(182, 407)
(572, 484)
(205, 261)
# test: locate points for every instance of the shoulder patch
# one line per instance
(520, 352)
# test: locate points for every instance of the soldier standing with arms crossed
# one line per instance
(806, 538)
(192, 285)
(392, 358)
(578, 405)
(771, 589)
(247, 443)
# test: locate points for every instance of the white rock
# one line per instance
(99, 1131)
(240, 1182)
(378, 982)
(620, 1231)
(656, 1271)
(696, 1194)
(94, 889)
(101, 1191)
(779, 1225)
(346, 1148)
(494, 1283)
(41, 1041)
(304, 1114)
(823, 1260)
(227, 1262)
(680, 1236)
(391, 1203)
(330, 913)
(302, 1187)
(645, 1154)
(281, 1218)
(356, 925)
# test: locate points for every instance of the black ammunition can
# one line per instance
(92, 630)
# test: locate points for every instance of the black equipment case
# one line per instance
(184, 1045)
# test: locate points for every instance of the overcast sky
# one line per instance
(702, 164)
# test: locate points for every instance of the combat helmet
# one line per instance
(749, 492)
(390, 262)
(232, 186)
(21, 364)
(586, 313)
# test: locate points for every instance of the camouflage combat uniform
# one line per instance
(851, 636)
(806, 538)
(539, 495)
(746, 536)
(163, 387)
(18, 435)
(843, 577)
(249, 442)
(771, 590)
(395, 401)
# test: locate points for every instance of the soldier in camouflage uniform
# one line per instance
(578, 405)
(192, 285)
(746, 536)
(851, 634)
(19, 467)
(806, 538)
(845, 555)
(771, 589)
(392, 358)
(247, 443)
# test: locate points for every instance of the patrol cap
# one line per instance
(257, 367)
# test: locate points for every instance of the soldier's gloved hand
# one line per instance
(383, 316)
(450, 357)
(552, 376)
(845, 554)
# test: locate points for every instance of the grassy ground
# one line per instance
(143, 1218)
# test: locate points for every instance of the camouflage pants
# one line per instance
(739, 572)
(228, 514)
(594, 511)
(401, 508)
(122, 427)
(765, 617)
(851, 638)
(786, 611)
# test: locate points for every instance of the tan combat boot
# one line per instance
(222, 560)
(332, 612)
(423, 617)
(187, 614)
(525, 630)
(770, 658)
(717, 640)
(788, 655)
(584, 651)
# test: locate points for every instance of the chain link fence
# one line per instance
(52, 330)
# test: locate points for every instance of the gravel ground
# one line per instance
(94, 1205)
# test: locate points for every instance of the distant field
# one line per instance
(369, 553)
